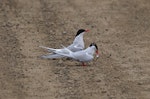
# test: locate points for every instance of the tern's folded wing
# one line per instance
(83, 56)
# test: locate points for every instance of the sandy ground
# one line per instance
(119, 27)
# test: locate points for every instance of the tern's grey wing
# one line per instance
(82, 56)
(75, 47)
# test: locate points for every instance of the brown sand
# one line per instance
(121, 29)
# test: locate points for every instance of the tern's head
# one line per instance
(96, 48)
(81, 31)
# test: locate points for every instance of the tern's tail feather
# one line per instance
(52, 56)
(49, 49)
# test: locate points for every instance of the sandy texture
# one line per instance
(121, 29)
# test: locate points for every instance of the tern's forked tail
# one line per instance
(49, 49)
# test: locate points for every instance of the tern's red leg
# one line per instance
(83, 64)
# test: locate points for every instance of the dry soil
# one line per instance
(121, 29)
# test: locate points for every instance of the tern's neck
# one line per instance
(79, 39)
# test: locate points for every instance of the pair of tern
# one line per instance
(75, 51)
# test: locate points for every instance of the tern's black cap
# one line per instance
(80, 31)
(94, 44)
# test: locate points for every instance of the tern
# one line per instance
(77, 45)
(83, 56)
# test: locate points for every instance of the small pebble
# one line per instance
(64, 32)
